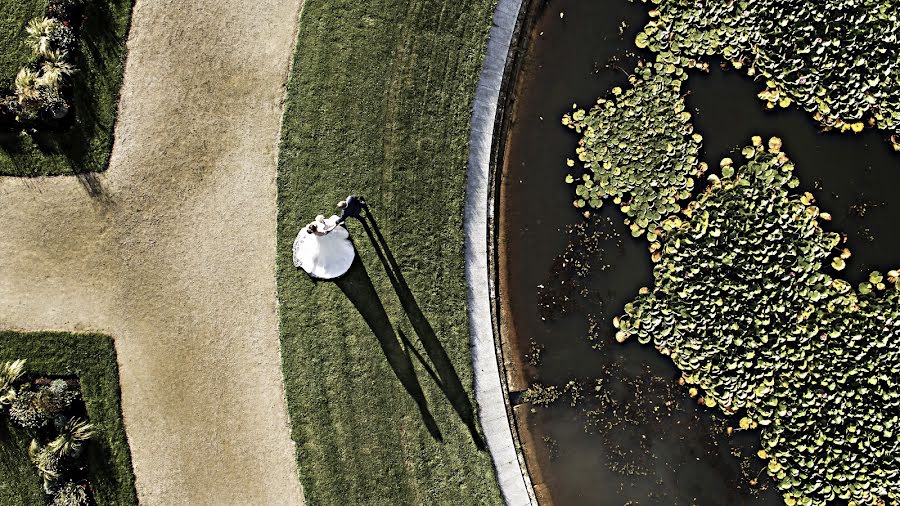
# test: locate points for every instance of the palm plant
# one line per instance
(67, 444)
(69, 441)
(46, 462)
(28, 92)
(39, 32)
(54, 68)
(10, 372)
(27, 85)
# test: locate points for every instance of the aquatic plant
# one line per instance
(541, 395)
(742, 305)
(742, 301)
(568, 287)
(836, 59)
(638, 148)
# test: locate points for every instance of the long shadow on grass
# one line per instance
(359, 289)
(446, 377)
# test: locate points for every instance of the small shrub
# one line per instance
(32, 406)
(34, 409)
(64, 9)
(26, 84)
(71, 494)
(25, 411)
(51, 460)
(69, 442)
(40, 94)
(54, 69)
(61, 38)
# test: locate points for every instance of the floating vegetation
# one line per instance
(552, 447)
(630, 413)
(744, 300)
(535, 351)
(638, 148)
(866, 234)
(836, 59)
(743, 307)
(545, 395)
(861, 207)
(541, 395)
(567, 289)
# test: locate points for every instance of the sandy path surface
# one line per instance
(172, 252)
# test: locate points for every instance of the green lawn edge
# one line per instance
(14, 17)
(379, 103)
(86, 146)
(91, 357)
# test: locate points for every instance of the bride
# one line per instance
(323, 248)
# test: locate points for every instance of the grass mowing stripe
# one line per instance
(379, 103)
(91, 357)
(19, 482)
(14, 17)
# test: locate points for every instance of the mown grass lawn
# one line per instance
(14, 16)
(85, 146)
(379, 103)
(92, 358)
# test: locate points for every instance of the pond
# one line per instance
(622, 430)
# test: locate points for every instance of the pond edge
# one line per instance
(491, 392)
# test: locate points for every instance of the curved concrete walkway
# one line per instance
(172, 252)
(489, 390)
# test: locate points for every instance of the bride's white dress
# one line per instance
(324, 256)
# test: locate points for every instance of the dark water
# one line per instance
(634, 434)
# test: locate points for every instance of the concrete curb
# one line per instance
(495, 412)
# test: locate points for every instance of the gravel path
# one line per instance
(172, 252)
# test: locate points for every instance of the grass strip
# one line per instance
(379, 103)
(14, 52)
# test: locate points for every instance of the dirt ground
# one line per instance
(172, 252)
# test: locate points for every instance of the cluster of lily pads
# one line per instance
(742, 305)
(41, 88)
(48, 408)
(837, 59)
(638, 148)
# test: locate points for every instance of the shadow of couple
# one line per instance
(359, 289)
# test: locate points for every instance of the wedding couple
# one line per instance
(323, 248)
